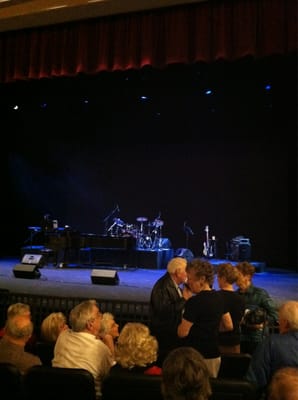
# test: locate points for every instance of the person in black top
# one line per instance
(205, 314)
(229, 342)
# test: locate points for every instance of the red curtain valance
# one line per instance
(201, 32)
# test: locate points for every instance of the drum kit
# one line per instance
(148, 234)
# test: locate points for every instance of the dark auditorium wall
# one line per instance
(227, 161)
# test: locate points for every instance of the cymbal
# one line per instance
(34, 228)
(118, 222)
(142, 219)
(157, 223)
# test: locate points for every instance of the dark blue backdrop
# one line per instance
(78, 147)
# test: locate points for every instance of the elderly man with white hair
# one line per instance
(277, 350)
(168, 297)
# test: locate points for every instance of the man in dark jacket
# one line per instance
(166, 306)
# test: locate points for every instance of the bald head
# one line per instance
(288, 316)
(18, 309)
(19, 327)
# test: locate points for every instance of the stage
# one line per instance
(134, 284)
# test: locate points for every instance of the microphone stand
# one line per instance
(106, 219)
(186, 239)
(188, 231)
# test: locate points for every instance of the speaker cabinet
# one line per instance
(104, 277)
(27, 271)
(244, 252)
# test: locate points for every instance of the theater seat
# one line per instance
(129, 385)
(234, 366)
(10, 381)
(233, 389)
(44, 382)
(45, 351)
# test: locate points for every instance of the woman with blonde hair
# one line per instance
(52, 326)
(136, 348)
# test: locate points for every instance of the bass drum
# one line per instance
(144, 242)
(130, 230)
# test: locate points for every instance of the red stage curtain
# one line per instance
(201, 32)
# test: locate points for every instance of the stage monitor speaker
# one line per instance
(184, 253)
(27, 271)
(34, 259)
(165, 243)
(104, 277)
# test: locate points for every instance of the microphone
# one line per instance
(117, 208)
(188, 229)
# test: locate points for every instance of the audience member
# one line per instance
(80, 346)
(52, 325)
(16, 309)
(24, 310)
(229, 342)
(284, 384)
(185, 376)
(109, 331)
(204, 314)
(167, 302)
(18, 330)
(255, 297)
(137, 349)
(277, 350)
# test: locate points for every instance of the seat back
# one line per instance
(45, 382)
(130, 385)
(234, 366)
(233, 389)
(45, 351)
(10, 381)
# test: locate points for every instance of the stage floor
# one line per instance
(135, 284)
